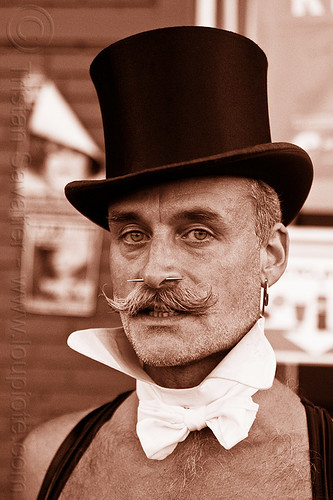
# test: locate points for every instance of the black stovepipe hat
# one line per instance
(186, 102)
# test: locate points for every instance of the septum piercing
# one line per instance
(166, 279)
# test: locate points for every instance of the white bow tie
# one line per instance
(161, 426)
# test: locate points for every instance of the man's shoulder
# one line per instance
(49, 435)
(40, 446)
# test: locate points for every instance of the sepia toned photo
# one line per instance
(166, 233)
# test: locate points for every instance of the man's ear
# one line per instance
(274, 254)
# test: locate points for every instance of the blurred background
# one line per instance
(54, 265)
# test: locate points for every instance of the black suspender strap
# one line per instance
(74, 446)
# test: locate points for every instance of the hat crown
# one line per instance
(178, 94)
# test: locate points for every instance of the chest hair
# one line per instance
(266, 465)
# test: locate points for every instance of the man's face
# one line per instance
(202, 230)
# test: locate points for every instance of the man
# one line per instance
(196, 200)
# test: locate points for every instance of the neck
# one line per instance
(184, 376)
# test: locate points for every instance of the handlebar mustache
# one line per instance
(185, 300)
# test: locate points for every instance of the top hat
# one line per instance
(186, 102)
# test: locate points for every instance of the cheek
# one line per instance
(117, 273)
(238, 271)
(122, 269)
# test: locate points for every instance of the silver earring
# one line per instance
(265, 298)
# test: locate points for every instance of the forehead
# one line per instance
(224, 195)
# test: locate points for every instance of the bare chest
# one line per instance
(275, 467)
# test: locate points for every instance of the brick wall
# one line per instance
(44, 377)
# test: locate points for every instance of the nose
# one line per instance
(160, 267)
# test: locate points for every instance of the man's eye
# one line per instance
(197, 235)
(134, 237)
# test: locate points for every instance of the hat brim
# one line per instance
(285, 167)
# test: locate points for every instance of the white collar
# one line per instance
(251, 362)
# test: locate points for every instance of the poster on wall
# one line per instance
(60, 265)
(296, 36)
(61, 149)
(61, 250)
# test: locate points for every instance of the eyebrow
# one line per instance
(118, 216)
(199, 215)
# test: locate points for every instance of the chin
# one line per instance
(162, 353)
(160, 356)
